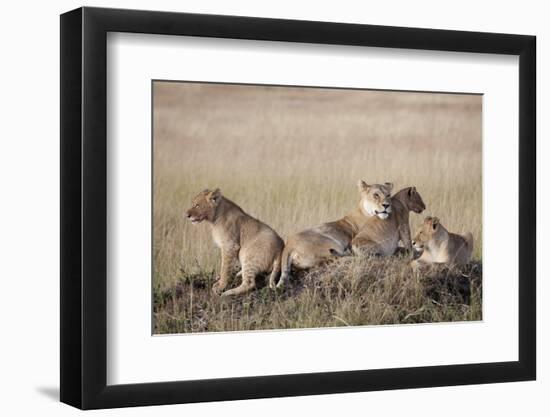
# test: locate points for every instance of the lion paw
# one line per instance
(218, 287)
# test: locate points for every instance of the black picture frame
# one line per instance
(84, 207)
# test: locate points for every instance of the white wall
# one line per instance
(29, 238)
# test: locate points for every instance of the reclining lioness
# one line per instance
(441, 246)
(381, 236)
(318, 244)
(241, 238)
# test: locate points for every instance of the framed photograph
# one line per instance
(257, 208)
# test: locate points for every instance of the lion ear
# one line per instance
(215, 195)
(435, 222)
(412, 191)
(363, 186)
(389, 186)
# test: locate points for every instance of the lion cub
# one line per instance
(241, 238)
(441, 246)
(381, 236)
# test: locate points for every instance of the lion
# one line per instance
(441, 246)
(321, 243)
(241, 238)
(381, 237)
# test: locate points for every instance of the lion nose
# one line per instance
(188, 215)
(386, 205)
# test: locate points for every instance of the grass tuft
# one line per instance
(347, 292)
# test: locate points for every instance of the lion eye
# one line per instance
(376, 195)
(196, 206)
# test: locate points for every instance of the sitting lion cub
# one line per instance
(381, 236)
(241, 238)
(318, 244)
(440, 246)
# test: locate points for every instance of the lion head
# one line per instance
(376, 199)
(429, 228)
(414, 200)
(204, 206)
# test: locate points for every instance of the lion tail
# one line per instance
(275, 271)
(285, 265)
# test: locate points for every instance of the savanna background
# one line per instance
(292, 158)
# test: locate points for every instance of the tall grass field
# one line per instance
(292, 158)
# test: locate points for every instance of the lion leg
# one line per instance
(421, 263)
(228, 260)
(405, 237)
(248, 283)
(285, 267)
(363, 246)
(418, 265)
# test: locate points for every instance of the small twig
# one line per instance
(342, 320)
(415, 313)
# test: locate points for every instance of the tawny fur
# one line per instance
(381, 236)
(438, 245)
(321, 243)
(241, 238)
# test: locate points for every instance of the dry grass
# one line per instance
(292, 157)
(348, 292)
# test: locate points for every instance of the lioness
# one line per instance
(313, 246)
(381, 236)
(241, 238)
(441, 246)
